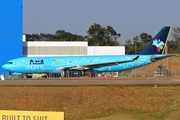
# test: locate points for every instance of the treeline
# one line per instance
(107, 36)
(60, 35)
(97, 35)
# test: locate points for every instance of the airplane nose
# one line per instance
(4, 67)
(7, 67)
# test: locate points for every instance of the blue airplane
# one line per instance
(151, 53)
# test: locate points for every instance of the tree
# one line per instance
(136, 39)
(176, 33)
(113, 35)
(139, 46)
(128, 42)
(173, 47)
(45, 37)
(129, 47)
(145, 38)
(104, 36)
(33, 37)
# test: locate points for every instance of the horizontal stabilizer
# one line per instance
(154, 58)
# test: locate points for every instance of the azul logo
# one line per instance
(159, 44)
(36, 62)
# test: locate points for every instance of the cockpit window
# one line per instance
(9, 63)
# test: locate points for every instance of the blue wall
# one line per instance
(11, 31)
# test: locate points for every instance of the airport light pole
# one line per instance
(167, 58)
(135, 53)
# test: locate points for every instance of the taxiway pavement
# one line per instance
(78, 82)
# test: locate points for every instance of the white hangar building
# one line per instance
(70, 48)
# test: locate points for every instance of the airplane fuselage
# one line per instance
(50, 64)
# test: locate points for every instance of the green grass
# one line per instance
(81, 103)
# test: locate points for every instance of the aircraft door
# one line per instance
(46, 62)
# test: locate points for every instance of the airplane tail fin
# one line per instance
(158, 44)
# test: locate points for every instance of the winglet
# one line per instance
(136, 58)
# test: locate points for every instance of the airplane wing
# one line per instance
(96, 65)
(154, 58)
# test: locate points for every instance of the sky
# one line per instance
(128, 17)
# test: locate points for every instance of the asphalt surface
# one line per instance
(78, 82)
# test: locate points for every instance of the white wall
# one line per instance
(70, 48)
(106, 50)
